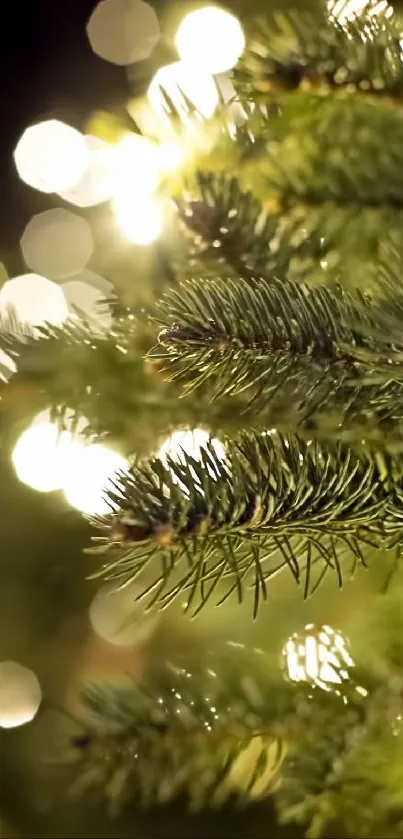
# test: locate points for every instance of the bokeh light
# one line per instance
(94, 280)
(180, 82)
(318, 655)
(123, 31)
(48, 459)
(210, 38)
(119, 619)
(34, 299)
(170, 155)
(40, 455)
(140, 220)
(135, 166)
(96, 184)
(90, 468)
(20, 694)
(89, 300)
(189, 442)
(51, 156)
(57, 243)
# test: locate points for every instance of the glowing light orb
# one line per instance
(51, 156)
(135, 167)
(20, 695)
(57, 243)
(96, 184)
(34, 299)
(140, 221)
(210, 38)
(318, 655)
(89, 301)
(87, 476)
(39, 456)
(180, 82)
(184, 443)
(118, 618)
(170, 155)
(123, 31)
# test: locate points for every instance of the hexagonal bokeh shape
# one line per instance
(96, 184)
(51, 156)
(20, 694)
(57, 244)
(123, 31)
(34, 300)
(88, 300)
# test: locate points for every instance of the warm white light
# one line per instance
(318, 655)
(140, 220)
(88, 300)
(181, 81)
(170, 155)
(34, 299)
(90, 278)
(191, 443)
(57, 243)
(7, 366)
(344, 10)
(40, 455)
(20, 694)
(89, 471)
(118, 618)
(210, 38)
(123, 31)
(135, 170)
(51, 156)
(96, 183)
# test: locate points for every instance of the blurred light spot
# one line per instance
(40, 454)
(51, 156)
(135, 167)
(170, 155)
(20, 694)
(57, 243)
(34, 299)
(116, 617)
(178, 83)
(7, 366)
(140, 220)
(89, 300)
(210, 38)
(105, 287)
(95, 185)
(317, 656)
(87, 476)
(123, 31)
(191, 443)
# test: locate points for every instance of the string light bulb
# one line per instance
(210, 38)
(318, 655)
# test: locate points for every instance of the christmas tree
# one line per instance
(227, 420)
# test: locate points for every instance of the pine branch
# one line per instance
(275, 501)
(191, 729)
(317, 346)
(293, 48)
(232, 230)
